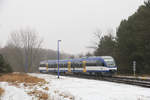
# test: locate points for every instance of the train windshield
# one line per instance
(110, 62)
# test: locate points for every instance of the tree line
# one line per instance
(23, 52)
(131, 43)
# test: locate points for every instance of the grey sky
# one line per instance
(72, 21)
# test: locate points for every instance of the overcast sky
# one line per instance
(72, 21)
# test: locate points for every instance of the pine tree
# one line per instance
(106, 46)
(133, 39)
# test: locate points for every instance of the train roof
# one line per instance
(78, 59)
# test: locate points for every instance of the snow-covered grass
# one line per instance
(68, 88)
(14, 93)
(84, 89)
(19, 85)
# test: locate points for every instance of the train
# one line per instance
(94, 65)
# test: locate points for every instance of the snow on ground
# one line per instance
(68, 88)
(84, 89)
(13, 93)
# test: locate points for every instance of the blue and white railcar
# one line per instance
(104, 65)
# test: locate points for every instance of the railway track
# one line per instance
(132, 81)
(125, 80)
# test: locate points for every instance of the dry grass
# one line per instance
(39, 94)
(66, 95)
(28, 81)
(1, 91)
(21, 78)
(46, 88)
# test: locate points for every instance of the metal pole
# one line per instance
(58, 56)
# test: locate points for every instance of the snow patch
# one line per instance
(84, 89)
(13, 93)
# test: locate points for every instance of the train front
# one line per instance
(110, 64)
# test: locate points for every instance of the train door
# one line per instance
(47, 67)
(84, 66)
(69, 66)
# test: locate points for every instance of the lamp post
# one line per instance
(58, 56)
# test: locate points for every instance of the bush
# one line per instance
(4, 66)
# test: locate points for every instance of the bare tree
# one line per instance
(27, 44)
(97, 37)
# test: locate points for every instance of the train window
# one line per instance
(80, 65)
(61, 65)
(44, 65)
(55, 65)
(64, 65)
(99, 63)
(91, 63)
(41, 65)
(72, 64)
(76, 64)
(49, 65)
